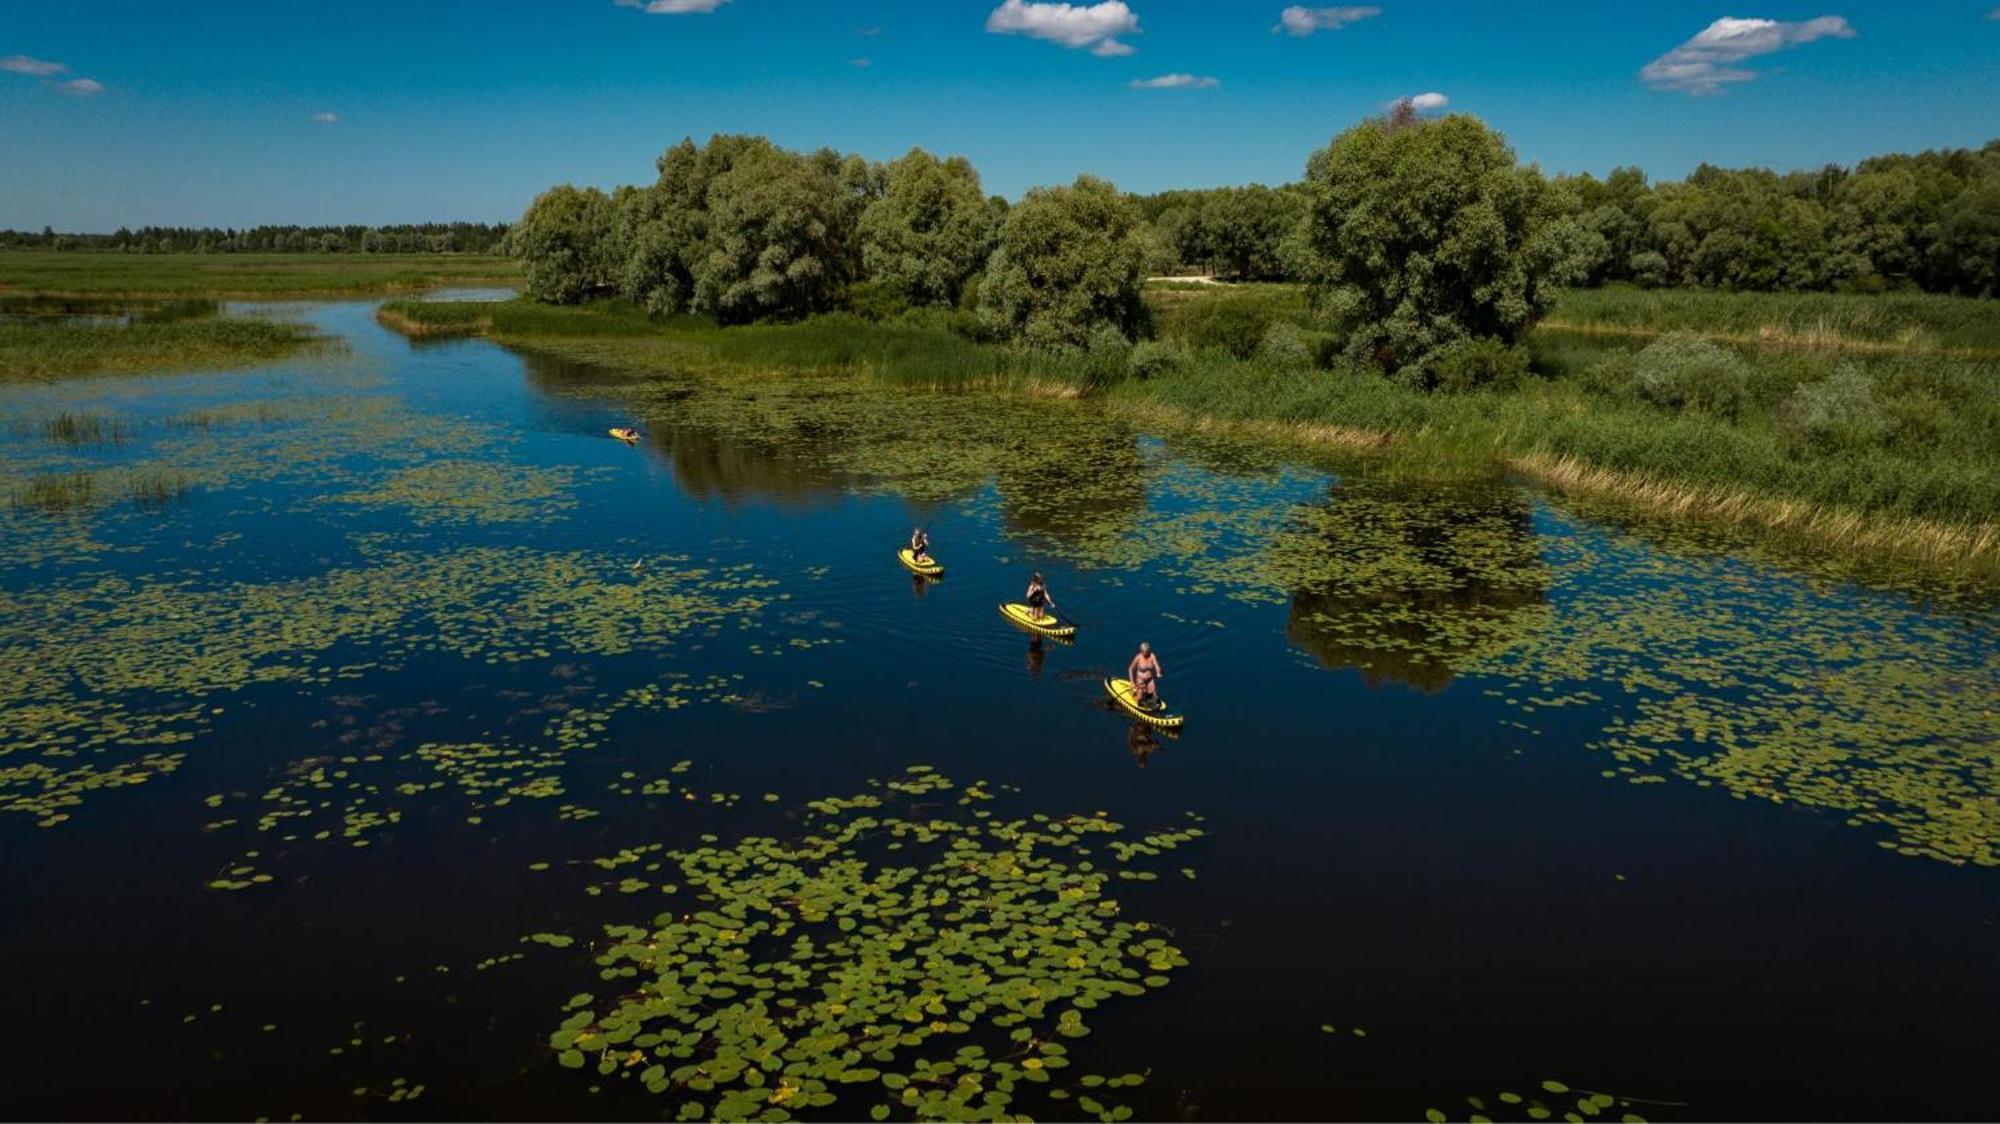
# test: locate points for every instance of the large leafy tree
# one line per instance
(565, 238)
(1432, 235)
(929, 231)
(781, 234)
(1069, 262)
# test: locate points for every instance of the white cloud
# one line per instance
(82, 87)
(1300, 21)
(1176, 82)
(863, 63)
(1096, 26)
(673, 7)
(326, 117)
(1430, 101)
(1708, 63)
(39, 68)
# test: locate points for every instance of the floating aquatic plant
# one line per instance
(885, 957)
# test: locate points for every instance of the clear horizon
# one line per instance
(242, 114)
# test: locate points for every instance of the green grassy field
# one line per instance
(1874, 427)
(24, 272)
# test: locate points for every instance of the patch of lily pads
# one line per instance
(894, 957)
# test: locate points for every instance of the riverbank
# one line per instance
(1846, 448)
(270, 276)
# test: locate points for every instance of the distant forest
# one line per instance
(418, 238)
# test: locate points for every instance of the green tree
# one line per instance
(565, 238)
(930, 229)
(1069, 262)
(1434, 236)
(782, 235)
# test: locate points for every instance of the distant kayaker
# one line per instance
(1145, 674)
(1038, 599)
(920, 545)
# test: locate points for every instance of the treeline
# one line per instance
(408, 238)
(1428, 248)
(740, 229)
(1929, 222)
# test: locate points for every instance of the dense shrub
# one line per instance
(1840, 413)
(1477, 364)
(1682, 372)
(1108, 357)
(1152, 358)
(1285, 345)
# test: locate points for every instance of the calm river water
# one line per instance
(347, 700)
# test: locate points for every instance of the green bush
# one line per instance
(1152, 358)
(1840, 413)
(1684, 373)
(1108, 358)
(1478, 363)
(1285, 345)
(878, 299)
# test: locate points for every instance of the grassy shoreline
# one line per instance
(1931, 504)
(243, 276)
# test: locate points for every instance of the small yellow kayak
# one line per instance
(929, 568)
(1121, 691)
(1047, 625)
(629, 436)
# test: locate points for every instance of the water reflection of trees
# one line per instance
(1411, 585)
(1072, 484)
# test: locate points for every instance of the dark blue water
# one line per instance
(1391, 845)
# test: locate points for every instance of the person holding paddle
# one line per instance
(1038, 599)
(1145, 674)
(920, 544)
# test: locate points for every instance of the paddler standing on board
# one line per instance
(1145, 674)
(1038, 599)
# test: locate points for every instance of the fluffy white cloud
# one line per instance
(1096, 26)
(1299, 20)
(1176, 82)
(1709, 62)
(1430, 101)
(82, 87)
(673, 7)
(39, 68)
(326, 117)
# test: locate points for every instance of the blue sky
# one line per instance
(150, 111)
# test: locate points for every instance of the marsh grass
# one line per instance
(147, 487)
(68, 428)
(59, 350)
(244, 275)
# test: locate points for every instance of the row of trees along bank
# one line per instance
(1426, 236)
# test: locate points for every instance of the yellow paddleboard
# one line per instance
(930, 569)
(629, 436)
(1121, 691)
(1047, 625)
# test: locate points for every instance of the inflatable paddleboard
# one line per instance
(1048, 625)
(1120, 691)
(930, 569)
